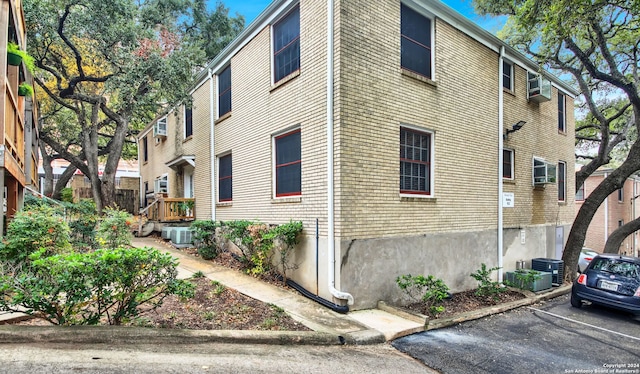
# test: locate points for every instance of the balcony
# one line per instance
(171, 209)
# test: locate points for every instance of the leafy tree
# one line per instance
(597, 43)
(110, 64)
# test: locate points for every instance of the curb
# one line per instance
(531, 298)
(135, 336)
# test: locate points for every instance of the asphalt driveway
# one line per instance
(551, 337)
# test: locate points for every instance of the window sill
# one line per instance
(562, 203)
(418, 77)
(560, 132)
(284, 200)
(187, 138)
(220, 119)
(509, 181)
(510, 92)
(224, 203)
(285, 80)
(411, 197)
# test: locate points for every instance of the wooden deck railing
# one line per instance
(167, 209)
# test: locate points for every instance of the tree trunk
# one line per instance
(62, 181)
(619, 235)
(108, 186)
(48, 170)
(609, 185)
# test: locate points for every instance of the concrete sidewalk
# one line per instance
(361, 327)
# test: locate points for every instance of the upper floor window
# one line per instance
(288, 164)
(507, 75)
(415, 161)
(507, 164)
(224, 91)
(580, 193)
(562, 181)
(188, 121)
(145, 149)
(415, 41)
(225, 178)
(286, 45)
(621, 194)
(562, 115)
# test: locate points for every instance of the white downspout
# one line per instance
(212, 119)
(331, 250)
(500, 162)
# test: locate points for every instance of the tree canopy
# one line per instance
(108, 67)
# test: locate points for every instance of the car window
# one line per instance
(617, 267)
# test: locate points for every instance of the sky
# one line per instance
(251, 8)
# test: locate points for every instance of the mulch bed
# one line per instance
(466, 301)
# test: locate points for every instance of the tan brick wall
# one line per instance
(462, 110)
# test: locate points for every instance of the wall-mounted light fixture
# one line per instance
(514, 128)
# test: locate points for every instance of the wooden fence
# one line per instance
(126, 199)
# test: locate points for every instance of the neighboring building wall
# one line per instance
(610, 213)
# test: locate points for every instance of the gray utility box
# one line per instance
(181, 235)
(555, 267)
(166, 232)
(520, 279)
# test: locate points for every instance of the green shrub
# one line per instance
(430, 290)
(84, 288)
(114, 228)
(488, 289)
(67, 195)
(286, 236)
(32, 230)
(83, 218)
(204, 238)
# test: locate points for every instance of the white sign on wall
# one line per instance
(508, 200)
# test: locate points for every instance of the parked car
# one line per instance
(609, 280)
(586, 255)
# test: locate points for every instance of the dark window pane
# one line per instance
(224, 91)
(145, 151)
(562, 173)
(188, 122)
(286, 45)
(561, 112)
(415, 43)
(507, 164)
(506, 75)
(288, 164)
(225, 179)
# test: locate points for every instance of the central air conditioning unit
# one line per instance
(160, 128)
(555, 267)
(166, 232)
(181, 235)
(538, 88)
(543, 172)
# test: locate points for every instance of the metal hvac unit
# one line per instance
(181, 235)
(555, 267)
(166, 232)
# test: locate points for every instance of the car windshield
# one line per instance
(616, 266)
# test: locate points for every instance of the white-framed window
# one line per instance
(160, 127)
(508, 168)
(621, 194)
(562, 113)
(416, 42)
(224, 91)
(562, 181)
(416, 161)
(188, 121)
(580, 193)
(225, 178)
(287, 157)
(161, 184)
(507, 75)
(286, 45)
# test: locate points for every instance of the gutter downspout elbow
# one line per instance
(330, 173)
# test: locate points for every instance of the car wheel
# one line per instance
(575, 302)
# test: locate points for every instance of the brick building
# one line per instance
(410, 139)
(619, 208)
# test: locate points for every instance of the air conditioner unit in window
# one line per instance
(543, 172)
(160, 186)
(538, 88)
(160, 128)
